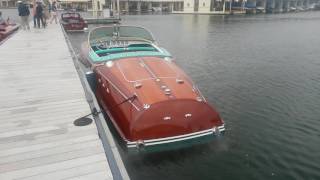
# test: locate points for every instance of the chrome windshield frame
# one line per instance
(125, 38)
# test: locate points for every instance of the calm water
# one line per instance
(262, 73)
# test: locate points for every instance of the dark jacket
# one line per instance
(23, 10)
(39, 10)
(54, 7)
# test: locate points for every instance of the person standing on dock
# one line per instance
(46, 14)
(34, 5)
(39, 15)
(24, 13)
(54, 12)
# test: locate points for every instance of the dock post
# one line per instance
(171, 6)
(113, 6)
(139, 6)
(254, 5)
(284, 5)
(126, 6)
(224, 7)
(270, 7)
(149, 5)
(281, 6)
(299, 3)
(118, 8)
(306, 3)
(181, 8)
(295, 4)
(278, 6)
(287, 5)
(273, 5)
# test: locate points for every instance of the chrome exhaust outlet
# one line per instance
(140, 145)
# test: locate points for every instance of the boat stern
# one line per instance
(176, 142)
(174, 124)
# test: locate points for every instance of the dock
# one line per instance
(41, 100)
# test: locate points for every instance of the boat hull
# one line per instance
(70, 27)
(7, 30)
(150, 101)
(177, 142)
(73, 22)
(162, 136)
(168, 119)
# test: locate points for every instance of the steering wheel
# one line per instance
(101, 45)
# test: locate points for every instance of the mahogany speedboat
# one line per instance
(6, 29)
(72, 21)
(151, 102)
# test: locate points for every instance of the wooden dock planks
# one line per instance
(40, 98)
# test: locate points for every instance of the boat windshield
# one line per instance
(116, 42)
(108, 33)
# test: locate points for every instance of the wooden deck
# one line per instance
(40, 98)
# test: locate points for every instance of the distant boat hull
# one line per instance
(7, 30)
(73, 22)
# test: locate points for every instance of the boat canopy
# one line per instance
(114, 33)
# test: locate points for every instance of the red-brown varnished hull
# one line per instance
(80, 26)
(163, 102)
(152, 125)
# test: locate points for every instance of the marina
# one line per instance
(262, 74)
(260, 71)
(214, 7)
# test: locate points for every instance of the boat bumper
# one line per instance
(175, 142)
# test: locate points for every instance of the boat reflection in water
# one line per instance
(151, 102)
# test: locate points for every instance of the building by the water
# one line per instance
(81, 5)
(8, 3)
(216, 6)
(186, 6)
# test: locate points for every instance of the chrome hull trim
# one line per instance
(152, 142)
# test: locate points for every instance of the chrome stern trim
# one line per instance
(153, 142)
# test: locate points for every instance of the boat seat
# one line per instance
(95, 48)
